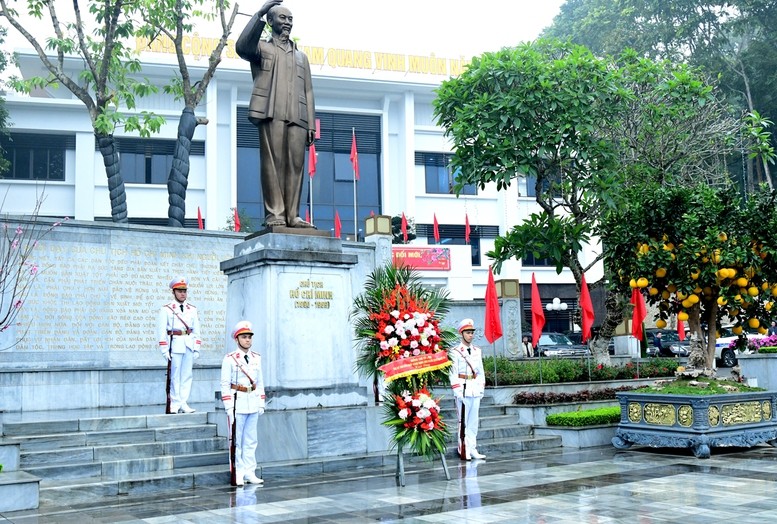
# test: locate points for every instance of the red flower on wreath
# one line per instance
(419, 410)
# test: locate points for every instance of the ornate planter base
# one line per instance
(697, 422)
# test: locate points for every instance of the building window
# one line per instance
(331, 189)
(35, 156)
(453, 234)
(531, 260)
(147, 161)
(440, 178)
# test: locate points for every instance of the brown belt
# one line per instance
(178, 332)
(244, 389)
(467, 377)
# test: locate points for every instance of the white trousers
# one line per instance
(471, 417)
(180, 379)
(245, 443)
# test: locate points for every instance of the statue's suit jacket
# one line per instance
(262, 56)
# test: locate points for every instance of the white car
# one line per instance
(726, 356)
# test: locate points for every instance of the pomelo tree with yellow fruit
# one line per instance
(701, 253)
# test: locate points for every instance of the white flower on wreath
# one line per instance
(393, 341)
(395, 314)
(389, 329)
(403, 413)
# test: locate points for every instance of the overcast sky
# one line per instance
(444, 27)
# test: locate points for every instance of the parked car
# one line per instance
(558, 345)
(726, 356)
(669, 339)
(577, 338)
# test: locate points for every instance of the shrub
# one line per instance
(517, 372)
(534, 398)
(586, 417)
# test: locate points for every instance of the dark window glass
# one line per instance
(35, 156)
(531, 260)
(148, 161)
(332, 187)
(440, 179)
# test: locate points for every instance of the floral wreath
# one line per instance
(397, 326)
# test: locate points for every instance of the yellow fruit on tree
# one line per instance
(732, 272)
(764, 286)
(672, 288)
(697, 290)
(681, 295)
(722, 301)
(682, 315)
(768, 305)
(742, 282)
(734, 312)
(774, 290)
(753, 323)
(642, 283)
(723, 272)
(665, 294)
(694, 299)
(762, 330)
(661, 272)
(633, 283)
(687, 304)
(722, 237)
(653, 291)
(695, 274)
(753, 291)
(737, 330)
(750, 272)
(669, 246)
(660, 323)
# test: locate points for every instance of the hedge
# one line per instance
(587, 417)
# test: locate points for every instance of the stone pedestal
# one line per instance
(297, 290)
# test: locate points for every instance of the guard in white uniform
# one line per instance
(468, 381)
(178, 330)
(242, 391)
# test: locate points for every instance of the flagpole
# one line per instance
(355, 216)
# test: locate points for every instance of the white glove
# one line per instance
(229, 408)
(167, 356)
(196, 355)
(261, 411)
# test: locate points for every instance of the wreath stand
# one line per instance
(400, 476)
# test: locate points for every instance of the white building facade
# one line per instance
(385, 99)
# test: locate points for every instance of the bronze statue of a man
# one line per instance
(282, 108)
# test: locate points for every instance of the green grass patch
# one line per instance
(684, 387)
(767, 349)
(586, 417)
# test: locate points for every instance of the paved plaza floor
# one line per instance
(597, 485)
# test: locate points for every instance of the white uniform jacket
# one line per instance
(249, 390)
(467, 370)
(183, 326)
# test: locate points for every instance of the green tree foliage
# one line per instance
(702, 252)
(735, 39)
(108, 83)
(581, 128)
(171, 20)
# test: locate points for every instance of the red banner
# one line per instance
(415, 365)
(429, 258)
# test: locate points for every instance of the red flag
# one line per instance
(338, 225)
(199, 218)
(237, 221)
(307, 215)
(466, 228)
(436, 230)
(372, 213)
(404, 229)
(354, 157)
(537, 313)
(680, 329)
(312, 160)
(493, 329)
(588, 310)
(639, 314)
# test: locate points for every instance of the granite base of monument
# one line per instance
(298, 291)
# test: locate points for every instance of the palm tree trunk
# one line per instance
(118, 195)
(178, 178)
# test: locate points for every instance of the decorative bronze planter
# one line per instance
(699, 422)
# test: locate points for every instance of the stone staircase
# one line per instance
(79, 456)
